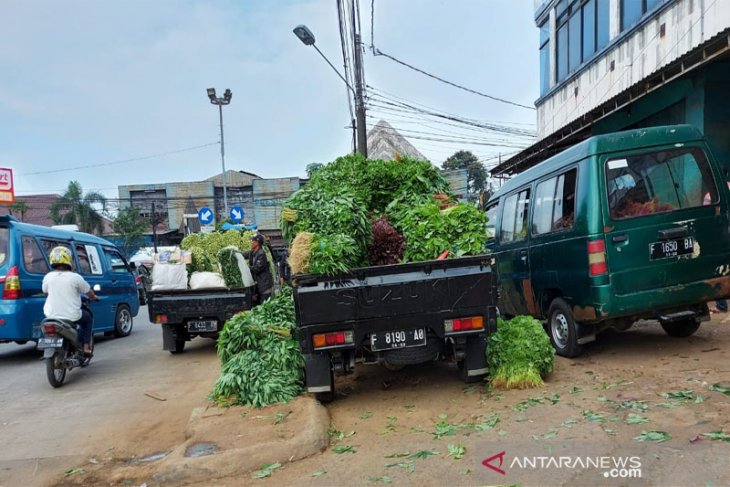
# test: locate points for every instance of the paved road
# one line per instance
(100, 408)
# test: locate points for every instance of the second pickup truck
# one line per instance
(190, 313)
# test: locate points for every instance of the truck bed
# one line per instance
(181, 305)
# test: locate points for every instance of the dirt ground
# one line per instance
(396, 427)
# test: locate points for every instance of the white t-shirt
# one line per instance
(64, 291)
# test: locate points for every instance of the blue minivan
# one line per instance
(24, 250)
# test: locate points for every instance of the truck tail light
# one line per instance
(464, 324)
(160, 319)
(322, 340)
(597, 258)
(11, 289)
(138, 280)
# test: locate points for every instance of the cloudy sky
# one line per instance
(92, 83)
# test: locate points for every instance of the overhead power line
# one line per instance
(124, 161)
(378, 52)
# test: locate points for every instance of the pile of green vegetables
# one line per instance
(519, 354)
(207, 256)
(261, 362)
(351, 205)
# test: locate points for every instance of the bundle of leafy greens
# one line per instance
(228, 260)
(429, 230)
(519, 354)
(261, 362)
(342, 198)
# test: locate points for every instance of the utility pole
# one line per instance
(220, 101)
(154, 227)
(362, 134)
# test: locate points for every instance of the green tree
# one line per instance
(130, 227)
(77, 208)
(20, 207)
(313, 168)
(476, 179)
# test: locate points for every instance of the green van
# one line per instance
(620, 227)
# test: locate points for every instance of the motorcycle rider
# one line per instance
(64, 288)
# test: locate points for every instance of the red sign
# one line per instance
(7, 193)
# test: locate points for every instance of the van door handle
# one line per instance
(673, 233)
(619, 238)
(114, 281)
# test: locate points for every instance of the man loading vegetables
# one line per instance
(260, 269)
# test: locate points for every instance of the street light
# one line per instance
(220, 102)
(307, 37)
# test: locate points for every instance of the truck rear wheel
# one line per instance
(563, 330)
(682, 328)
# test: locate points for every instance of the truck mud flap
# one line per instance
(318, 372)
(475, 361)
(169, 335)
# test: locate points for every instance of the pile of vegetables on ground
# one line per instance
(261, 362)
(356, 212)
(519, 354)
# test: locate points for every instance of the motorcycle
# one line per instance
(62, 349)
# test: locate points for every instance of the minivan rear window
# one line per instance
(659, 182)
(4, 245)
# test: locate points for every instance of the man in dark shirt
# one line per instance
(260, 269)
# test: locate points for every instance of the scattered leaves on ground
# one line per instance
(398, 454)
(319, 472)
(366, 415)
(407, 466)
(555, 398)
(409, 408)
(456, 451)
(593, 417)
(634, 418)
(73, 471)
(266, 471)
(679, 395)
(423, 454)
(488, 423)
(720, 388)
(575, 390)
(639, 406)
(340, 449)
(657, 436)
(390, 427)
(568, 423)
(382, 479)
(717, 435)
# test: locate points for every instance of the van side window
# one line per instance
(555, 204)
(492, 220)
(659, 182)
(514, 217)
(84, 264)
(33, 259)
(116, 262)
(49, 245)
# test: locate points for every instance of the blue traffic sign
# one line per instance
(205, 216)
(237, 214)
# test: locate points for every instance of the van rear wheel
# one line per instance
(563, 330)
(681, 328)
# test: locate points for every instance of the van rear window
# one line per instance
(659, 182)
(4, 245)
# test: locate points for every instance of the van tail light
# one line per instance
(334, 339)
(11, 289)
(597, 258)
(49, 330)
(458, 325)
(137, 280)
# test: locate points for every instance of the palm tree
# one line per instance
(77, 208)
(19, 206)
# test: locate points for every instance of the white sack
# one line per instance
(206, 280)
(169, 277)
(245, 271)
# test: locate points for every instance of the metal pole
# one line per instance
(223, 163)
(362, 137)
(154, 227)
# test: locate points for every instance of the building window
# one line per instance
(544, 57)
(633, 10)
(582, 29)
